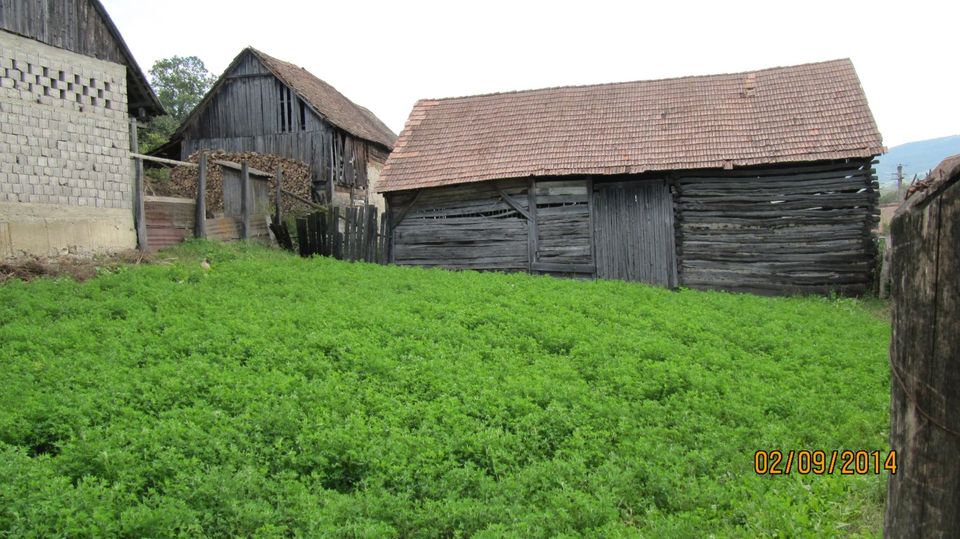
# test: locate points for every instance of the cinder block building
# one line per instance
(68, 86)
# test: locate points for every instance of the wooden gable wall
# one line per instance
(77, 26)
(245, 112)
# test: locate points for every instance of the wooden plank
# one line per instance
(201, 203)
(802, 168)
(302, 241)
(161, 160)
(372, 234)
(532, 230)
(245, 200)
(278, 179)
(592, 225)
(403, 212)
(337, 236)
(513, 203)
(564, 268)
(634, 232)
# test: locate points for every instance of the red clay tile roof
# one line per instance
(801, 113)
(328, 102)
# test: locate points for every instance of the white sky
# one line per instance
(385, 55)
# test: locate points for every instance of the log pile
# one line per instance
(183, 180)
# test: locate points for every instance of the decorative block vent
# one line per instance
(85, 92)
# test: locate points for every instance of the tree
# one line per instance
(180, 83)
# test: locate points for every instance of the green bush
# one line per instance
(275, 396)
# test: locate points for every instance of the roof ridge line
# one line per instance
(662, 79)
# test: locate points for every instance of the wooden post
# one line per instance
(302, 236)
(245, 199)
(923, 497)
(337, 236)
(349, 215)
(593, 227)
(532, 231)
(382, 240)
(390, 256)
(139, 213)
(279, 179)
(370, 255)
(200, 226)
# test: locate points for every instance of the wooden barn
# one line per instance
(757, 181)
(266, 105)
(68, 86)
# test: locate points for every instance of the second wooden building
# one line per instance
(757, 181)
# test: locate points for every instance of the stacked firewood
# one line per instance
(183, 180)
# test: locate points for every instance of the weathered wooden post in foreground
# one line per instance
(200, 226)
(278, 176)
(245, 199)
(139, 213)
(923, 496)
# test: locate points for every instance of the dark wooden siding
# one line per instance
(800, 229)
(74, 25)
(248, 111)
(461, 227)
(634, 232)
(783, 230)
(563, 222)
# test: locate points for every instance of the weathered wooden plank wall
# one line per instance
(923, 497)
(252, 110)
(232, 194)
(800, 229)
(782, 230)
(74, 25)
(461, 227)
(563, 222)
(634, 232)
(168, 220)
(67, 24)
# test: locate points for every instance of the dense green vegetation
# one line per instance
(278, 396)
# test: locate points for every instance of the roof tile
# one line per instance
(798, 113)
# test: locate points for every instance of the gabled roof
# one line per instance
(324, 99)
(328, 102)
(786, 114)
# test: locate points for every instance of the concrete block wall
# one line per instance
(65, 176)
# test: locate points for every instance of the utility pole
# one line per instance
(900, 182)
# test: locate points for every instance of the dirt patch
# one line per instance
(79, 268)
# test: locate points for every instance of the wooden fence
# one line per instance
(165, 221)
(344, 233)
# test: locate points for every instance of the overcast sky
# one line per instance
(386, 55)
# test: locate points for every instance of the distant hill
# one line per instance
(916, 157)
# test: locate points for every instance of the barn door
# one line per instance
(633, 232)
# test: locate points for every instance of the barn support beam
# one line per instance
(513, 203)
(532, 233)
(406, 209)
